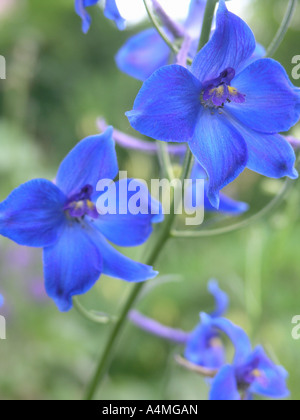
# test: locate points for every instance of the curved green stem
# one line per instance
(98, 319)
(282, 29)
(244, 223)
(161, 33)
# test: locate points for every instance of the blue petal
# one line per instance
(168, 104)
(227, 204)
(93, 159)
(71, 266)
(272, 382)
(272, 103)
(80, 6)
(33, 215)
(129, 229)
(269, 155)
(193, 23)
(111, 11)
(237, 336)
(204, 347)
(142, 54)
(220, 149)
(224, 386)
(221, 299)
(117, 265)
(230, 46)
(1, 301)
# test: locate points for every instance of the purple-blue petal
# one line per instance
(194, 20)
(221, 299)
(32, 214)
(80, 8)
(93, 159)
(272, 103)
(224, 386)
(125, 228)
(270, 155)
(271, 379)
(231, 45)
(220, 150)
(111, 12)
(117, 265)
(168, 104)
(1, 301)
(237, 336)
(204, 347)
(72, 265)
(142, 54)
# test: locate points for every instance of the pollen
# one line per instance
(256, 373)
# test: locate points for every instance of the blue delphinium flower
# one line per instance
(62, 218)
(204, 346)
(227, 204)
(146, 52)
(229, 111)
(1, 300)
(110, 11)
(252, 372)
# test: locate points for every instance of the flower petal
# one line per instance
(111, 11)
(228, 206)
(72, 265)
(272, 103)
(204, 347)
(220, 149)
(271, 379)
(142, 54)
(224, 386)
(125, 227)
(167, 106)
(270, 155)
(1, 301)
(117, 265)
(194, 20)
(230, 46)
(221, 298)
(80, 6)
(237, 336)
(93, 159)
(32, 214)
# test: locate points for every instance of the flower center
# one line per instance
(217, 92)
(80, 204)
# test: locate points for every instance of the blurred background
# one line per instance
(58, 82)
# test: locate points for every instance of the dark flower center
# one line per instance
(217, 92)
(80, 204)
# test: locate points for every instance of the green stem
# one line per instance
(98, 319)
(158, 28)
(164, 159)
(213, 232)
(158, 243)
(207, 22)
(282, 29)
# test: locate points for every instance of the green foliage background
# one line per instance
(58, 82)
